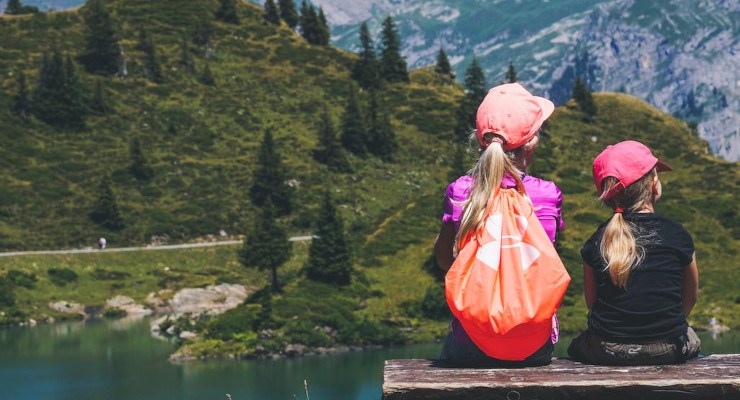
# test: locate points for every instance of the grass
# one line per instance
(202, 143)
(100, 276)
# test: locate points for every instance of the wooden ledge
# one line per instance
(711, 377)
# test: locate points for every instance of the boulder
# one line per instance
(188, 335)
(294, 350)
(68, 307)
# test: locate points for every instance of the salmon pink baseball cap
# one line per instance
(513, 113)
(627, 161)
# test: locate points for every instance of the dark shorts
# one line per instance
(590, 348)
(469, 355)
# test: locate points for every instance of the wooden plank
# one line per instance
(712, 377)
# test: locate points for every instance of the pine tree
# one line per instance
(101, 52)
(207, 77)
(329, 151)
(475, 82)
(392, 65)
(329, 257)
(58, 98)
(459, 165)
(475, 91)
(203, 30)
(227, 12)
(309, 23)
(49, 89)
(381, 137)
(323, 32)
(271, 13)
(152, 70)
(74, 100)
(21, 101)
(302, 15)
(269, 179)
(13, 7)
(288, 12)
(366, 70)
(511, 73)
(443, 64)
(266, 245)
(99, 102)
(105, 211)
(139, 167)
(583, 97)
(354, 134)
(186, 56)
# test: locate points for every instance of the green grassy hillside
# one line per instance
(202, 141)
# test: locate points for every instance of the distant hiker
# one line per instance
(640, 276)
(101, 243)
(508, 123)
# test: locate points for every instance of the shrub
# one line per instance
(235, 321)
(7, 297)
(434, 305)
(20, 278)
(167, 281)
(368, 331)
(61, 276)
(303, 332)
(106, 275)
(12, 316)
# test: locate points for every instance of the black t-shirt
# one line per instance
(650, 307)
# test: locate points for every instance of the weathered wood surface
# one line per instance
(712, 377)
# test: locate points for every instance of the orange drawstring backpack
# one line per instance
(507, 280)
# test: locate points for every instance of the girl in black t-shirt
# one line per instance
(639, 269)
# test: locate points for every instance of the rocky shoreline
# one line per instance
(211, 300)
(290, 351)
(169, 308)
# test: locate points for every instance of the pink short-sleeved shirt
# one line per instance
(546, 198)
(548, 204)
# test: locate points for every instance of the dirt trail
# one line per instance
(144, 248)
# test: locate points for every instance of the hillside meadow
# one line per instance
(201, 142)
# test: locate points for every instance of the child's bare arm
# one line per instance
(690, 290)
(589, 285)
(443, 247)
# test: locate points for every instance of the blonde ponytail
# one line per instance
(488, 173)
(621, 244)
(620, 250)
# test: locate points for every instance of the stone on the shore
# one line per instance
(127, 304)
(213, 299)
(188, 335)
(68, 307)
(294, 350)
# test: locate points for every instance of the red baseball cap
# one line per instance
(510, 111)
(627, 161)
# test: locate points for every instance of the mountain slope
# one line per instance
(202, 143)
(201, 140)
(678, 55)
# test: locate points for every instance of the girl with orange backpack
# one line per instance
(504, 280)
(640, 276)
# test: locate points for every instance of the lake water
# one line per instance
(118, 360)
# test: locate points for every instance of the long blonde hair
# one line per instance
(621, 244)
(493, 164)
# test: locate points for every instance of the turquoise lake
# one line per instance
(115, 360)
